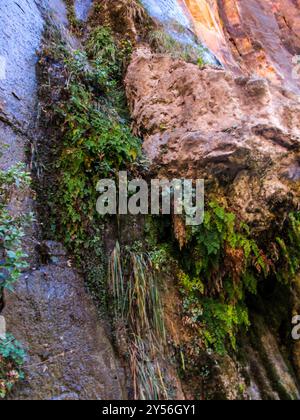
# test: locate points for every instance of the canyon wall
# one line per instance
(69, 355)
(237, 126)
(251, 36)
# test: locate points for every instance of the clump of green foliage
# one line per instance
(13, 258)
(96, 141)
(218, 266)
(12, 358)
(164, 43)
(223, 264)
(12, 262)
(85, 103)
(127, 18)
(94, 147)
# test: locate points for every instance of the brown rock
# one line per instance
(241, 135)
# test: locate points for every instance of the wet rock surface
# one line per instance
(70, 356)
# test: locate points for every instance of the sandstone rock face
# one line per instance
(252, 36)
(242, 133)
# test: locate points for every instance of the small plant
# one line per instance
(15, 177)
(145, 307)
(13, 259)
(136, 296)
(12, 358)
(163, 43)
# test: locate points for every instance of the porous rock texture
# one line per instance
(241, 134)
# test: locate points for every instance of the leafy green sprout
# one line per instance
(13, 258)
(12, 359)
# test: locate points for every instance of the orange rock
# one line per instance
(252, 36)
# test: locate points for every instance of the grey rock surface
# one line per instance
(21, 28)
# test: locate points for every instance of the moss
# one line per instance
(13, 258)
(163, 43)
(95, 142)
